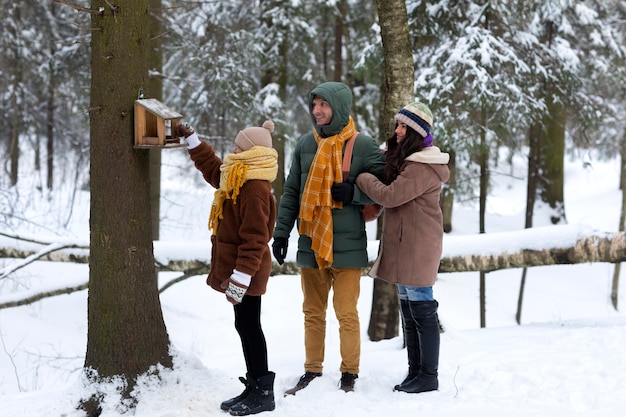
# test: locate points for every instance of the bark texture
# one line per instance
(396, 92)
(126, 332)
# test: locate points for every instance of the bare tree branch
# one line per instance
(76, 6)
(201, 269)
(55, 247)
(188, 274)
(15, 370)
(42, 295)
(24, 238)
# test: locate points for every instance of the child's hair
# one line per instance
(396, 153)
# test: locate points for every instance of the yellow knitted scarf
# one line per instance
(316, 220)
(257, 163)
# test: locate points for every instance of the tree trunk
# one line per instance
(552, 160)
(534, 154)
(397, 90)
(14, 100)
(622, 221)
(50, 134)
(447, 193)
(279, 144)
(553, 144)
(395, 93)
(275, 71)
(126, 332)
(484, 189)
(50, 110)
(155, 90)
(338, 49)
(14, 153)
(384, 318)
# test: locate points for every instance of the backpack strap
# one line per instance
(347, 157)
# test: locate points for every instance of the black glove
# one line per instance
(342, 191)
(279, 248)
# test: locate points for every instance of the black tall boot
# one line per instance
(226, 405)
(424, 315)
(259, 399)
(411, 340)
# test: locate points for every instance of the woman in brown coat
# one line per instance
(242, 220)
(412, 235)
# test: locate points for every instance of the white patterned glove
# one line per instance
(236, 286)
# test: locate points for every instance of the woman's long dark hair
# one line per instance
(396, 154)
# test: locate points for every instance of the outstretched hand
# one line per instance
(184, 130)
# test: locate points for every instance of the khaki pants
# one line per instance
(346, 285)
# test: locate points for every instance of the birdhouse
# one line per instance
(155, 124)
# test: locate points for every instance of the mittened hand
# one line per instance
(342, 191)
(236, 286)
(279, 248)
(184, 130)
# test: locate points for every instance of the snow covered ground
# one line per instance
(566, 359)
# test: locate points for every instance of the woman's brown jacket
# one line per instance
(243, 234)
(412, 235)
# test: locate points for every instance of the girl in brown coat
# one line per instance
(242, 219)
(411, 244)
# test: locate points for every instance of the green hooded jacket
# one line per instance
(349, 238)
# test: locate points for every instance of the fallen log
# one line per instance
(553, 245)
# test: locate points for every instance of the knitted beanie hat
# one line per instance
(255, 136)
(417, 116)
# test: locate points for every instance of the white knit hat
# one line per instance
(416, 115)
(255, 136)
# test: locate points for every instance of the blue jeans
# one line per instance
(412, 293)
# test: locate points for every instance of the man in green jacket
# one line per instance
(332, 246)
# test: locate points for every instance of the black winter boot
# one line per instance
(411, 340)
(259, 399)
(226, 405)
(303, 382)
(347, 381)
(424, 315)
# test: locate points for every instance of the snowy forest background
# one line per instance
(494, 73)
(540, 81)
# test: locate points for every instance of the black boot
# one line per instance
(424, 314)
(259, 399)
(411, 340)
(226, 405)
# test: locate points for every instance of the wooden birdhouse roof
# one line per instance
(159, 109)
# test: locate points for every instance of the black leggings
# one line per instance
(248, 325)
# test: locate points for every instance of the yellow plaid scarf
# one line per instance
(316, 220)
(257, 163)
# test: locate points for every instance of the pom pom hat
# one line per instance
(255, 136)
(417, 116)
